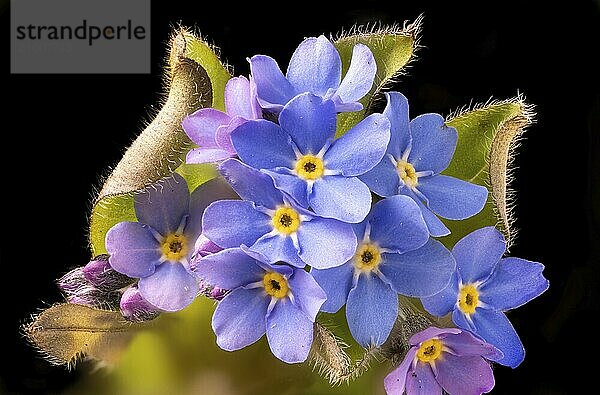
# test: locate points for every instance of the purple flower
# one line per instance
(444, 359)
(273, 224)
(418, 152)
(101, 275)
(158, 248)
(305, 161)
(211, 129)
(395, 256)
(315, 67)
(485, 285)
(279, 300)
(135, 308)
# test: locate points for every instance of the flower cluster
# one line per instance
(302, 222)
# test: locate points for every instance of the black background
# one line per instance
(60, 134)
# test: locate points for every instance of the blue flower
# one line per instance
(272, 224)
(315, 67)
(484, 286)
(279, 300)
(395, 256)
(305, 161)
(418, 152)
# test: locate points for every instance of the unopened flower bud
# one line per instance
(100, 274)
(135, 308)
(218, 293)
(72, 281)
(206, 247)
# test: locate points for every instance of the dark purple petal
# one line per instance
(251, 184)
(275, 248)
(229, 269)
(240, 318)
(383, 178)
(444, 301)
(263, 145)
(396, 111)
(337, 283)
(315, 66)
(478, 253)
(433, 143)
(397, 224)
(361, 148)
(206, 155)
(419, 273)
(345, 199)
(238, 98)
(432, 332)
(200, 199)
(421, 381)
(371, 310)
(308, 295)
(465, 344)
(231, 223)
(289, 332)
(310, 122)
(273, 89)
(462, 375)
(360, 75)
(202, 125)
(326, 243)
(171, 288)
(164, 204)
(513, 283)
(452, 198)
(204, 246)
(493, 327)
(101, 275)
(287, 181)
(135, 308)
(434, 224)
(395, 382)
(133, 249)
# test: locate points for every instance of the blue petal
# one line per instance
(251, 184)
(452, 198)
(397, 224)
(289, 331)
(240, 318)
(326, 243)
(493, 327)
(419, 273)
(263, 145)
(360, 75)
(308, 295)
(315, 66)
(275, 248)
(433, 143)
(170, 288)
(287, 181)
(272, 88)
(310, 122)
(459, 318)
(383, 178)
(513, 283)
(133, 249)
(434, 224)
(396, 111)
(337, 283)
(231, 223)
(229, 269)
(371, 310)
(478, 253)
(202, 125)
(202, 197)
(361, 148)
(444, 301)
(206, 155)
(346, 199)
(163, 205)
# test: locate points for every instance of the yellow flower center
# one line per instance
(367, 257)
(430, 350)
(310, 167)
(407, 173)
(174, 247)
(276, 285)
(468, 298)
(286, 220)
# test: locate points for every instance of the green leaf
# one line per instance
(108, 212)
(486, 136)
(66, 332)
(392, 47)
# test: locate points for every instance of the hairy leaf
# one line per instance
(66, 332)
(392, 47)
